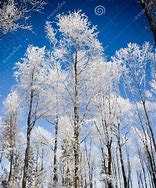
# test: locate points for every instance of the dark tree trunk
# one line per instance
(55, 177)
(125, 179)
(149, 124)
(122, 166)
(76, 126)
(27, 151)
(150, 18)
(26, 161)
(109, 163)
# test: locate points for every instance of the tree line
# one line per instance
(75, 118)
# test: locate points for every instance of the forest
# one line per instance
(76, 117)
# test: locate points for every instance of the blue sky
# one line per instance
(123, 22)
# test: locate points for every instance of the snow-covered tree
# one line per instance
(89, 122)
(106, 91)
(14, 14)
(136, 61)
(11, 135)
(42, 149)
(80, 47)
(30, 75)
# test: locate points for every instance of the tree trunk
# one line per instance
(27, 151)
(11, 166)
(109, 164)
(149, 16)
(26, 161)
(76, 127)
(149, 124)
(122, 166)
(125, 179)
(55, 176)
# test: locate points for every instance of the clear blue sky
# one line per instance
(123, 22)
